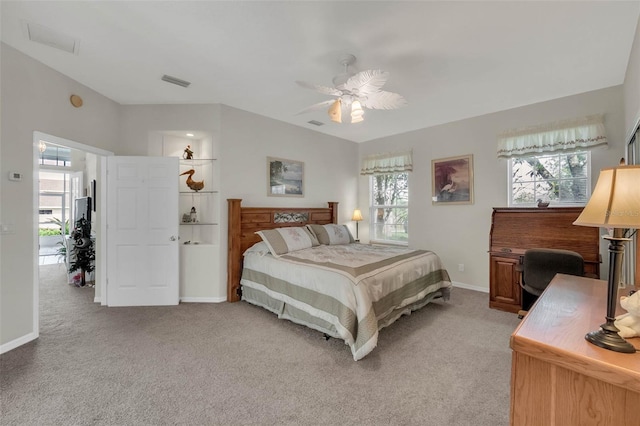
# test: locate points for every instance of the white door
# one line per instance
(142, 231)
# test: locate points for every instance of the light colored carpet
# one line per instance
(236, 364)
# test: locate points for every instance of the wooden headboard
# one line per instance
(245, 221)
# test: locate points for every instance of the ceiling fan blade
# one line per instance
(325, 90)
(318, 106)
(367, 82)
(383, 100)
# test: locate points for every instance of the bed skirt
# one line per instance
(286, 311)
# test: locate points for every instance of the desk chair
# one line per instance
(539, 266)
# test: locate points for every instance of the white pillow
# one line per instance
(284, 240)
(260, 249)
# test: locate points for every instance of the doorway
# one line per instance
(50, 154)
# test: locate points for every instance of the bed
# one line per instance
(343, 289)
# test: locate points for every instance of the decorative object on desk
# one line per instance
(629, 323)
(187, 154)
(285, 178)
(83, 251)
(357, 217)
(186, 217)
(452, 180)
(193, 184)
(193, 215)
(615, 203)
(542, 204)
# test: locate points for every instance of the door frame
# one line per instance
(100, 213)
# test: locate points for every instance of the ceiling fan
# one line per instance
(353, 92)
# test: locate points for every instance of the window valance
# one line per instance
(569, 135)
(395, 162)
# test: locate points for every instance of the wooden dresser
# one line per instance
(515, 230)
(557, 377)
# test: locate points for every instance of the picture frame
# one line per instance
(285, 178)
(452, 180)
(94, 194)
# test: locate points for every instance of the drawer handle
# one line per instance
(506, 250)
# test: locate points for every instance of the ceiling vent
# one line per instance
(52, 38)
(174, 80)
(316, 123)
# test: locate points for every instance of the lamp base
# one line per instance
(607, 338)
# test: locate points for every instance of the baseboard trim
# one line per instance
(203, 299)
(470, 287)
(97, 300)
(17, 342)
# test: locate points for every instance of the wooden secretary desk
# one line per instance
(515, 230)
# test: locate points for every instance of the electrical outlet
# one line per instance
(461, 267)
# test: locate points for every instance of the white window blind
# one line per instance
(569, 135)
(387, 163)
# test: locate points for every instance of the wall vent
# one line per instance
(174, 80)
(316, 123)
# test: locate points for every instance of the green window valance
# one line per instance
(396, 162)
(569, 135)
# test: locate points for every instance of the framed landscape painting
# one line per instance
(285, 178)
(452, 180)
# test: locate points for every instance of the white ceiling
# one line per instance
(450, 60)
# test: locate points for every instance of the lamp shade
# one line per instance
(335, 111)
(356, 112)
(615, 202)
(357, 215)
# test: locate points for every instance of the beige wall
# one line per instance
(35, 98)
(460, 233)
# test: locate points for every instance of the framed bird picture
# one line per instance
(452, 180)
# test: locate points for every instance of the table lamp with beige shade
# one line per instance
(614, 204)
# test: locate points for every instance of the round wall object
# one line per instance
(76, 101)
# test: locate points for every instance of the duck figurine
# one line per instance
(193, 184)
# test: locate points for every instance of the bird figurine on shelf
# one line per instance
(193, 184)
(187, 154)
(542, 204)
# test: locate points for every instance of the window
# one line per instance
(389, 212)
(52, 155)
(54, 200)
(560, 178)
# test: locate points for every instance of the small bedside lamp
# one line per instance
(357, 217)
(615, 203)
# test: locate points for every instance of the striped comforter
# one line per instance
(347, 291)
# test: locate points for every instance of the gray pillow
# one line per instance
(331, 234)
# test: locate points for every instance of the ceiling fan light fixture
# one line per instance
(335, 111)
(354, 91)
(356, 112)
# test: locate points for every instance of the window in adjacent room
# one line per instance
(389, 213)
(560, 178)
